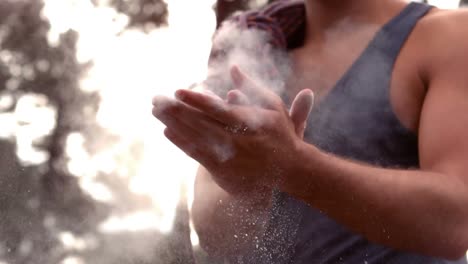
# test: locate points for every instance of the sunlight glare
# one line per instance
(35, 118)
(445, 4)
(72, 242)
(137, 221)
(128, 69)
(72, 260)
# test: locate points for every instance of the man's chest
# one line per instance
(322, 72)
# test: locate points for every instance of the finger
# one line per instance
(300, 110)
(237, 97)
(211, 93)
(173, 113)
(160, 100)
(258, 94)
(203, 89)
(214, 108)
(175, 124)
(196, 135)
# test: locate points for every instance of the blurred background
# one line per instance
(85, 173)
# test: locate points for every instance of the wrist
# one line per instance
(298, 180)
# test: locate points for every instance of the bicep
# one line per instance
(443, 130)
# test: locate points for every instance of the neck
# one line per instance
(325, 15)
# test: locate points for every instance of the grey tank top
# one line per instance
(355, 120)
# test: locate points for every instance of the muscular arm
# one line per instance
(421, 211)
(424, 210)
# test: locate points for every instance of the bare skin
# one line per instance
(422, 211)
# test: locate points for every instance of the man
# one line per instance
(382, 173)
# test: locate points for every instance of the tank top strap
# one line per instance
(393, 35)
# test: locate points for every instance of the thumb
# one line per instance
(300, 110)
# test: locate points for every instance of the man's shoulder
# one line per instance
(441, 17)
(445, 28)
(441, 40)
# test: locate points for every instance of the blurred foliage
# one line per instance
(145, 14)
(43, 204)
(39, 201)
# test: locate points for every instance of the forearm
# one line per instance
(226, 224)
(420, 211)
